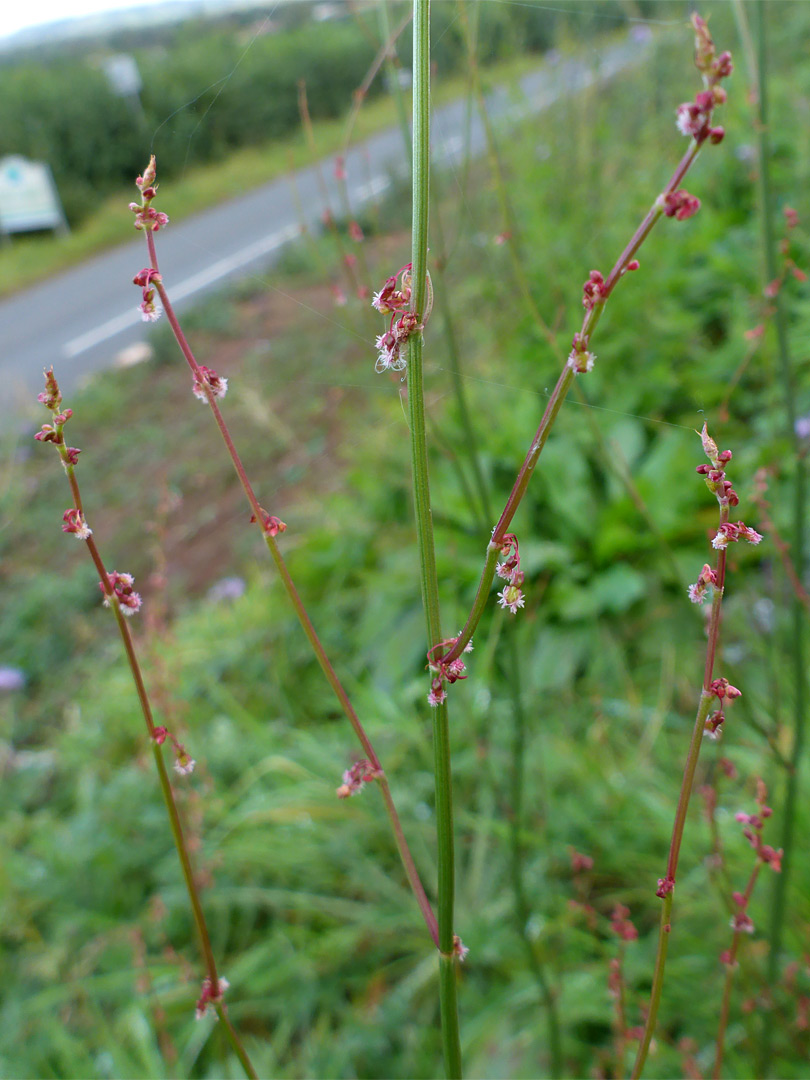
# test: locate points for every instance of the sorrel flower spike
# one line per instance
(393, 300)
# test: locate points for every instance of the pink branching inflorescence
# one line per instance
(393, 299)
(741, 921)
(695, 117)
(728, 532)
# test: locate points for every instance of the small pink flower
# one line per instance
(511, 597)
(455, 670)
(272, 525)
(581, 361)
(594, 290)
(149, 174)
(791, 217)
(73, 522)
(386, 300)
(693, 117)
(159, 735)
(681, 205)
(437, 695)
(742, 923)
(147, 218)
(184, 763)
(355, 778)
(121, 585)
(208, 997)
(47, 434)
(205, 376)
(149, 313)
(460, 949)
(751, 536)
(390, 357)
(355, 232)
(666, 886)
(51, 396)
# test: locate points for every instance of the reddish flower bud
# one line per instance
(681, 205)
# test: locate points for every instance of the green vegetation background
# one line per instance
(330, 968)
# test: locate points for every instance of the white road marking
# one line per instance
(185, 288)
(375, 186)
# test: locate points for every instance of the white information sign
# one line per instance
(28, 196)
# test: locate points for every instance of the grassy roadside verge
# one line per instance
(31, 259)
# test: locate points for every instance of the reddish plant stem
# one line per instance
(730, 966)
(556, 400)
(163, 776)
(704, 705)
(300, 610)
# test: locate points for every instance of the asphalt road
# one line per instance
(83, 319)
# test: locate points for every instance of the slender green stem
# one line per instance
(798, 620)
(424, 526)
(300, 610)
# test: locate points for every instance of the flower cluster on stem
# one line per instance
(394, 299)
(715, 695)
(596, 291)
(356, 777)
(511, 595)
(444, 671)
(695, 117)
(212, 387)
(144, 279)
(146, 217)
(183, 761)
(121, 597)
(741, 921)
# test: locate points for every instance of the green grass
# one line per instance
(331, 971)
